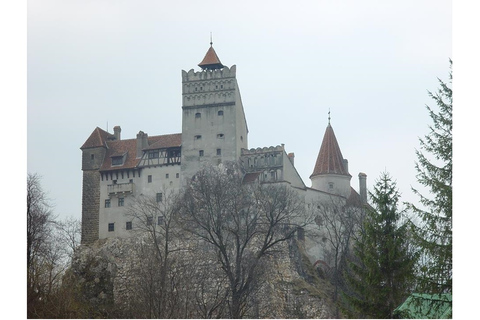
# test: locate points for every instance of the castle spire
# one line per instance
(330, 159)
(211, 60)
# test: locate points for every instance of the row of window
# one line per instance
(201, 153)
(201, 88)
(121, 202)
(129, 225)
(198, 115)
(199, 137)
(167, 176)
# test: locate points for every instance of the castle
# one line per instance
(214, 130)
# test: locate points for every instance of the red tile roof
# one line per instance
(129, 146)
(98, 138)
(164, 141)
(211, 60)
(330, 159)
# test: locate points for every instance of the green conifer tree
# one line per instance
(381, 275)
(433, 232)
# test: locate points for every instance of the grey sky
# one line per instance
(369, 62)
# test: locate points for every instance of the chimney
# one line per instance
(116, 132)
(142, 142)
(291, 156)
(345, 164)
(362, 178)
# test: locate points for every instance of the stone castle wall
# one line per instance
(90, 206)
(92, 159)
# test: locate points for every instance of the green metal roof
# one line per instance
(426, 306)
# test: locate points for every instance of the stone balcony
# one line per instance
(120, 188)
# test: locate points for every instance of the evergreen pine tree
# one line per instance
(433, 232)
(381, 275)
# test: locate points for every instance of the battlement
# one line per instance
(223, 73)
(257, 151)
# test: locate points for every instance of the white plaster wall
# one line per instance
(341, 184)
(216, 91)
(116, 214)
(290, 174)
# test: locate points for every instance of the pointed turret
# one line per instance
(330, 159)
(211, 60)
(330, 173)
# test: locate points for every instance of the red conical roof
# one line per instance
(330, 159)
(211, 60)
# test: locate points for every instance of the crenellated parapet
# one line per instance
(209, 87)
(223, 73)
(263, 159)
(263, 150)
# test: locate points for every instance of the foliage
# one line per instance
(382, 275)
(433, 233)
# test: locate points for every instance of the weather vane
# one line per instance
(211, 41)
(328, 115)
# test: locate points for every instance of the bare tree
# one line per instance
(68, 234)
(154, 220)
(337, 225)
(39, 232)
(241, 223)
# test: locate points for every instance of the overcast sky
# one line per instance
(99, 63)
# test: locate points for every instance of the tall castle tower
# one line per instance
(93, 155)
(331, 169)
(214, 128)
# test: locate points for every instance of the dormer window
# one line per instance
(117, 161)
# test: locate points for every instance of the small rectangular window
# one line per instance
(111, 227)
(198, 115)
(167, 176)
(149, 178)
(177, 175)
(219, 152)
(220, 136)
(160, 220)
(153, 154)
(128, 226)
(116, 161)
(92, 157)
(107, 203)
(200, 153)
(159, 197)
(301, 234)
(220, 112)
(121, 202)
(149, 221)
(197, 137)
